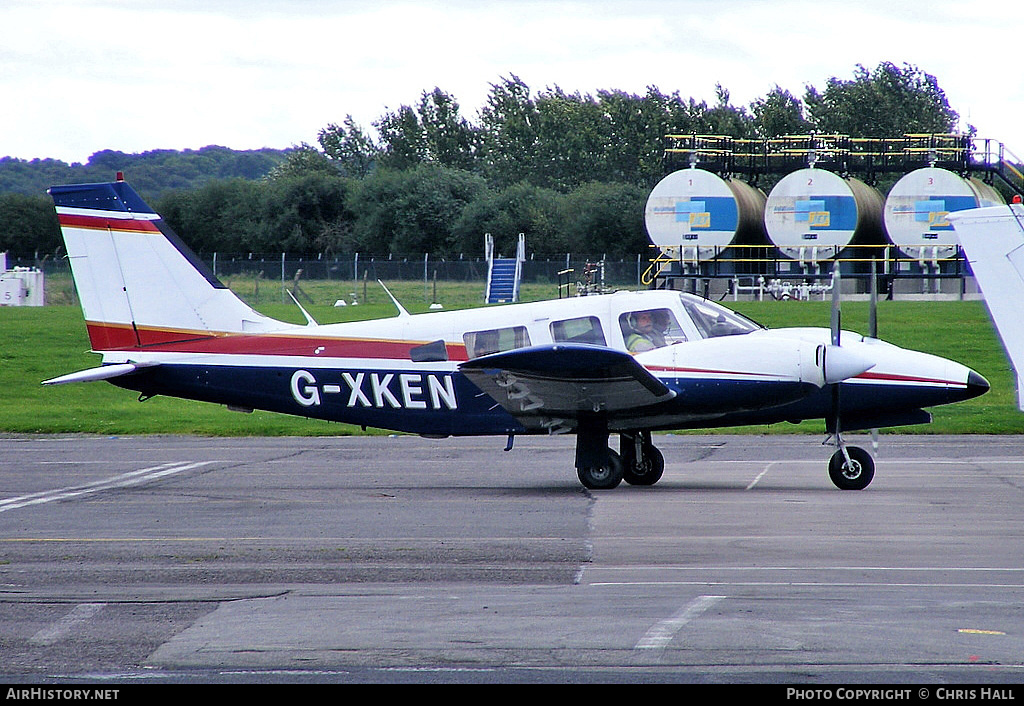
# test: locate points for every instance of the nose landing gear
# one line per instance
(642, 462)
(851, 467)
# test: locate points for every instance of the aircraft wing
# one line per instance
(565, 380)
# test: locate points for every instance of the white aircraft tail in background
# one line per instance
(993, 242)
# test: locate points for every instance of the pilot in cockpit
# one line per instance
(647, 331)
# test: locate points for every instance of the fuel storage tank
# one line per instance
(812, 214)
(917, 205)
(692, 214)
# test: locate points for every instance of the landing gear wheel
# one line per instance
(855, 475)
(646, 470)
(604, 477)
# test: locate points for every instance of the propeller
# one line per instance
(837, 325)
(840, 363)
(847, 362)
(873, 331)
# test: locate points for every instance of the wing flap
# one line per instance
(565, 380)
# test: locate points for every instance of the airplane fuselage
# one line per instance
(364, 373)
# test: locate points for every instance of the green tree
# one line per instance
(433, 132)
(352, 151)
(602, 218)
(28, 225)
(573, 136)
(508, 141)
(520, 208)
(221, 216)
(727, 119)
(887, 102)
(402, 138)
(302, 160)
(637, 125)
(411, 211)
(450, 139)
(301, 213)
(778, 113)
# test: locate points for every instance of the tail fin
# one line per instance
(993, 242)
(138, 283)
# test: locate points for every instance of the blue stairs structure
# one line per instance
(504, 273)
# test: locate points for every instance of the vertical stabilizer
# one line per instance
(993, 242)
(138, 283)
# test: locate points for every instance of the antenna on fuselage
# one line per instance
(309, 319)
(398, 304)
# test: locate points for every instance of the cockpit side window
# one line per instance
(649, 329)
(480, 343)
(713, 320)
(586, 329)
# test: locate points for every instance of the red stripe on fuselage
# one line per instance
(703, 371)
(890, 377)
(123, 337)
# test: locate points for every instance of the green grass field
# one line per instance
(41, 343)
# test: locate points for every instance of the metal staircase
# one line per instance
(504, 274)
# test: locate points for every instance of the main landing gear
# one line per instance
(638, 461)
(851, 467)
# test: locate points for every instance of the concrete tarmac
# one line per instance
(399, 559)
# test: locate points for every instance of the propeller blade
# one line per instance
(836, 313)
(873, 310)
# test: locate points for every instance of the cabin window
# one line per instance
(480, 343)
(583, 330)
(649, 329)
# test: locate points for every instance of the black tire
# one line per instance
(851, 477)
(605, 477)
(646, 471)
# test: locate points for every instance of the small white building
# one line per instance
(22, 286)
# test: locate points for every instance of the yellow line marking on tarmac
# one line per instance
(975, 631)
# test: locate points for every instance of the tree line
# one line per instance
(571, 170)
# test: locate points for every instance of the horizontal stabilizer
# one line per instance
(566, 380)
(104, 372)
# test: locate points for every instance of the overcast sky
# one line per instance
(80, 76)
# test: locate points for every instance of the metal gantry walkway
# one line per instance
(710, 219)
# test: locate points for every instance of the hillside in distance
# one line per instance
(152, 173)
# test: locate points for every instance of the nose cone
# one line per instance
(976, 385)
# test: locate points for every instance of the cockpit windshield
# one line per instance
(713, 320)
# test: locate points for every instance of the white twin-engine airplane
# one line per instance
(627, 363)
